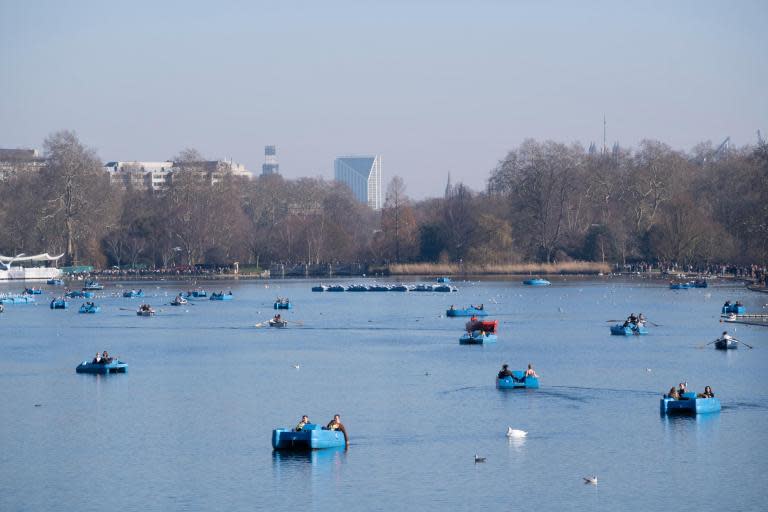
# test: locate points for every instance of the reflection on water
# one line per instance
(303, 463)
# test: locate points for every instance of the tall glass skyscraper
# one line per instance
(363, 175)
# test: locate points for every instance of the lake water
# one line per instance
(188, 427)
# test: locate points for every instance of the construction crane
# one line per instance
(723, 147)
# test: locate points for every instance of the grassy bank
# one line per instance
(449, 269)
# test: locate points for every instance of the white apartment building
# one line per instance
(362, 174)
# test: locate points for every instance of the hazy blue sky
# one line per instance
(433, 86)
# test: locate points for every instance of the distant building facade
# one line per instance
(363, 175)
(157, 176)
(154, 176)
(270, 165)
(13, 161)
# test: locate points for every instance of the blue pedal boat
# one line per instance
(319, 288)
(470, 311)
(18, 299)
(399, 288)
(77, 294)
(378, 288)
(221, 296)
(477, 338)
(115, 366)
(55, 282)
(700, 283)
(93, 285)
(423, 288)
(518, 380)
(689, 404)
(737, 309)
(444, 288)
(133, 293)
(537, 282)
(620, 330)
(680, 286)
(336, 288)
(59, 304)
(311, 437)
(283, 304)
(89, 309)
(357, 288)
(33, 291)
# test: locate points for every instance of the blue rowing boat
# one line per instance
(89, 308)
(311, 437)
(77, 294)
(537, 282)
(477, 338)
(93, 285)
(283, 304)
(468, 311)
(114, 366)
(620, 330)
(689, 404)
(680, 286)
(518, 380)
(221, 296)
(133, 293)
(33, 291)
(55, 282)
(17, 299)
(59, 304)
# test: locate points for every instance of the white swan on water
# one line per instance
(513, 432)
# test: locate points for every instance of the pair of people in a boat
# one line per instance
(145, 307)
(102, 358)
(480, 307)
(634, 321)
(728, 303)
(334, 424)
(474, 324)
(506, 372)
(678, 393)
(277, 318)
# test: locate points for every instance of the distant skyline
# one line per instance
(432, 86)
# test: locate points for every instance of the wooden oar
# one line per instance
(739, 341)
(711, 342)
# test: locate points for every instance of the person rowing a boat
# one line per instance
(726, 337)
(505, 371)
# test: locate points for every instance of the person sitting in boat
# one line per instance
(673, 394)
(505, 371)
(727, 304)
(682, 389)
(336, 424)
(97, 359)
(277, 319)
(304, 421)
(739, 304)
(726, 336)
(452, 308)
(530, 372)
(105, 357)
(640, 320)
(480, 307)
(707, 393)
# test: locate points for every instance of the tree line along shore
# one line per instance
(547, 207)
